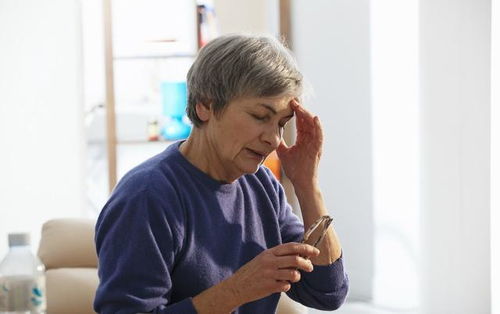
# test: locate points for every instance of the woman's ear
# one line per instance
(203, 111)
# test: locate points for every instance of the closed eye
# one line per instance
(261, 118)
(267, 118)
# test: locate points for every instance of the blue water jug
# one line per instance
(174, 99)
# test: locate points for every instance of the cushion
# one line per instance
(71, 290)
(68, 242)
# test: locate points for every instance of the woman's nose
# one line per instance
(273, 136)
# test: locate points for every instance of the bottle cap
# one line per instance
(19, 239)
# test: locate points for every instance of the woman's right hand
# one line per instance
(271, 271)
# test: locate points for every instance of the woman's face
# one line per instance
(248, 130)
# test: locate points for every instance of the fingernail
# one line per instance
(316, 251)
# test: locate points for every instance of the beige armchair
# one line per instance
(68, 251)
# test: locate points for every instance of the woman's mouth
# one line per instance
(255, 155)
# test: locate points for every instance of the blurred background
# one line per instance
(407, 92)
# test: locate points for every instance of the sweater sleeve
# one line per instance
(326, 287)
(137, 240)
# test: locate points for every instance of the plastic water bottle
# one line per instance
(22, 278)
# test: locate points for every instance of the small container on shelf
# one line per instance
(153, 130)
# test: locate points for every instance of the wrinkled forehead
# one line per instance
(277, 105)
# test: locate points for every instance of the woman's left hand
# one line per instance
(300, 161)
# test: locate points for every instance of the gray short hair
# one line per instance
(238, 65)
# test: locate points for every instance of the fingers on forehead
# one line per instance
(302, 112)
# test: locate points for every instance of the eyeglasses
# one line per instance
(323, 222)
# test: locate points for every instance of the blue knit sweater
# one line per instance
(169, 231)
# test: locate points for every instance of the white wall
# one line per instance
(395, 151)
(332, 43)
(495, 158)
(455, 139)
(40, 114)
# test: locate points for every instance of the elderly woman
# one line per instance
(203, 227)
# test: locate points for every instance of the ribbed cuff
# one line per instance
(183, 307)
(326, 278)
